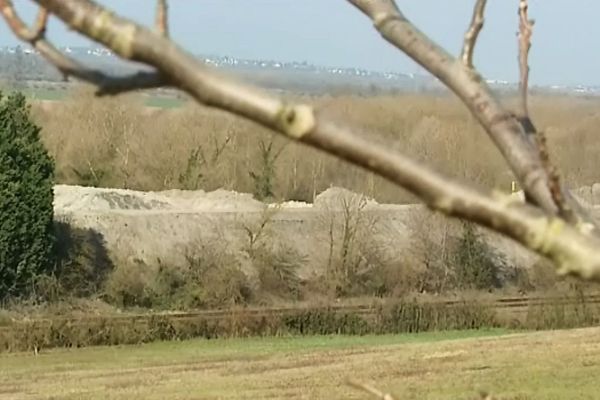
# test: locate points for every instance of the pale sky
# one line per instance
(331, 32)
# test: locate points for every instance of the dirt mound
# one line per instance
(163, 227)
(588, 195)
(336, 198)
(82, 199)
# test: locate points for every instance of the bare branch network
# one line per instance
(550, 222)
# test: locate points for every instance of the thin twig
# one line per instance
(17, 25)
(162, 17)
(473, 33)
(525, 32)
(41, 24)
(522, 114)
(568, 207)
(107, 85)
(376, 393)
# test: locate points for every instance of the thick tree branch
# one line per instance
(162, 17)
(506, 132)
(473, 33)
(106, 84)
(572, 251)
(70, 67)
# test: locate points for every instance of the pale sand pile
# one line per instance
(88, 199)
(165, 226)
(79, 198)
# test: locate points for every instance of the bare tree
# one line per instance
(550, 222)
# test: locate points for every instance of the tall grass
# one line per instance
(404, 315)
(401, 317)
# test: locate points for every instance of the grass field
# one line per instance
(451, 365)
(41, 94)
(46, 94)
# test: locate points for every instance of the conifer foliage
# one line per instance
(26, 199)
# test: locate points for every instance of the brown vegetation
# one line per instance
(407, 315)
(116, 142)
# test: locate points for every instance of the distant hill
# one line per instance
(19, 64)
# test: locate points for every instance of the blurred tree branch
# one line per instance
(70, 67)
(540, 229)
(507, 132)
(473, 33)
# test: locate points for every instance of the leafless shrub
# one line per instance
(211, 278)
(275, 262)
(431, 250)
(129, 285)
(359, 259)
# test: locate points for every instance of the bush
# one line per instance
(82, 260)
(404, 316)
(26, 199)
(129, 285)
(278, 270)
(476, 265)
(264, 179)
(567, 311)
(212, 278)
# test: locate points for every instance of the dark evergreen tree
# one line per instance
(26, 199)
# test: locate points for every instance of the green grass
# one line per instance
(46, 94)
(42, 94)
(449, 365)
(207, 349)
(163, 102)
